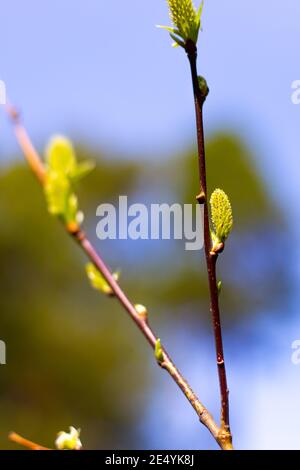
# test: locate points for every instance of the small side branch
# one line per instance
(28, 149)
(25, 442)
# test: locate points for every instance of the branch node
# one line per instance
(191, 49)
(73, 229)
(225, 438)
(201, 198)
(142, 312)
(217, 249)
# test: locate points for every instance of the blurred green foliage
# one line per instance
(73, 357)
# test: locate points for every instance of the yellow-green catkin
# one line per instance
(221, 214)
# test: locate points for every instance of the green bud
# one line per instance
(159, 355)
(219, 285)
(221, 214)
(186, 20)
(204, 90)
(214, 238)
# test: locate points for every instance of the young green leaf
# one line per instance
(71, 212)
(60, 155)
(62, 172)
(81, 170)
(57, 191)
(97, 280)
(221, 214)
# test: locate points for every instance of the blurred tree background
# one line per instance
(74, 357)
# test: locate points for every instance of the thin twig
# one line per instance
(211, 257)
(28, 149)
(167, 364)
(25, 442)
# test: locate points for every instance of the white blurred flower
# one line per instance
(68, 441)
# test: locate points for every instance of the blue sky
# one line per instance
(99, 71)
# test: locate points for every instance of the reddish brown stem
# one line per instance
(25, 442)
(151, 337)
(28, 149)
(211, 258)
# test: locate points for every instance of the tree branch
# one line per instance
(28, 149)
(25, 442)
(205, 417)
(211, 256)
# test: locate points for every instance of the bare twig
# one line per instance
(25, 442)
(205, 417)
(28, 149)
(211, 256)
